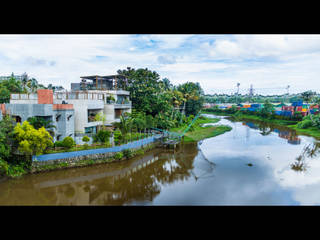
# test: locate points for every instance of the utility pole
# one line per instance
(251, 92)
(288, 91)
(238, 84)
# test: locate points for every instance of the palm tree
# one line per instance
(125, 125)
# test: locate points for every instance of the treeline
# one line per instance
(225, 98)
(164, 102)
(157, 103)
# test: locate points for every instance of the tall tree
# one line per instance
(307, 96)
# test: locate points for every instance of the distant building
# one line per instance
(18, 77)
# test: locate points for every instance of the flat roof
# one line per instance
(108, 77)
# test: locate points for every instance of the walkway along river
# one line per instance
(253, 164)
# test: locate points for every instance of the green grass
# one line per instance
(198, 132)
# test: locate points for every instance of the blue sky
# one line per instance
(217, 62)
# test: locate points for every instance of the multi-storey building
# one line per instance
(74, 112)
(17, 77)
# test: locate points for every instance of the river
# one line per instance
(253, 164)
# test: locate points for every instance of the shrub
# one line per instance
(85, 146)
(118, 156)
(68, 142)
(127, 153)
(102, 136)
(85, 139)
(139, 152)
(117, 136)
(3, 167)
(58, 144)
(304, 124)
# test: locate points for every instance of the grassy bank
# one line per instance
(199, 132)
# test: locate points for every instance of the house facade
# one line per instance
(74, 112)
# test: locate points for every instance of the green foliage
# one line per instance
(68, 142)
(304, 124)
(102, 136)
(85, 139)
(117, 136)
(32, 141)
(8, 142)
(9, 86)
(4, 167)
(127, 153)
(139, 152)
(58, 144)
(118, 156)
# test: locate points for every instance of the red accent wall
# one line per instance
(62, 106)
(45, 96)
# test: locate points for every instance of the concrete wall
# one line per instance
(64, 126)
(29, 110)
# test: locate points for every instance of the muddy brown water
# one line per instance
(253, 164)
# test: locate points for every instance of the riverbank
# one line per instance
(311, 131)
(200, 132)
(91, 160)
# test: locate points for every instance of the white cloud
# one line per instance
(217, 62)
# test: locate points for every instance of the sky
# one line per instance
(218, 62)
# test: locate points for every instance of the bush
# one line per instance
(139, 152)
(58, 144)
(118, 156)
(102, 136)
(117, 136)
(304, 124)
(127, 153)
(68, 142)
(85, 146)
(3, 167)
(85, 139)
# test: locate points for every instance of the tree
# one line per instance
(9, 86)
(102, 136)
(100, 117)
(192, 94)
(144, 87)
(38, 122)
(7, 140)
(32, 141)
(307, 96)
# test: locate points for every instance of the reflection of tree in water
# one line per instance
(267, 128)
(144, 184)
(309, 151)
(67, 186)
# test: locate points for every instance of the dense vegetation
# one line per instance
(156, 104)
(226, 98)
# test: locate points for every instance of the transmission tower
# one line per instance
(288, 89)
(251, 91)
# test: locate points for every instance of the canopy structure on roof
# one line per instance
(96, 82)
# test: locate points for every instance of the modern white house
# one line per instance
(94, 95)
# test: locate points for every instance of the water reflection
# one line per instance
(139, 180)
(311, 150)
(217, 171)
(267, 129)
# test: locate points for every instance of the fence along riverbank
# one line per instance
(91, 154)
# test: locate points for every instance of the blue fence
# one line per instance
(135, 144)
